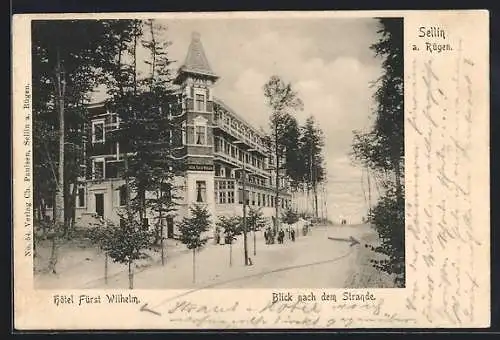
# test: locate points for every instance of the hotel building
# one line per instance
(215, 146)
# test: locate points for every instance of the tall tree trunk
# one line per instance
(53, 254)
(277, 200)
(315, 191)
(106, 261)
(38, 205)
(59, 201)
(230, 253)
(161, 226)
(54, 209)
(194, 265)
(369, 192)
(67, 204)
(130, 275)
(73, 208)
(399, 188)
(43, 209)
(254, 241)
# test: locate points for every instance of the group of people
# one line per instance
(270, 235)
(220, 237)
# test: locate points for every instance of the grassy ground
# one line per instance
(363, 274)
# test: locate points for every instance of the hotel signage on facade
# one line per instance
(200, 167)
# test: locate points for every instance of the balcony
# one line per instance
(239, 137)
(219, 155)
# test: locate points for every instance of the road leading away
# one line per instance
(319, 259)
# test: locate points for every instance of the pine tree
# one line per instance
(69, 60)
(192, 231)
(283, 101)
(149, 109)
(101, 237)
(127, 243)
(256, 221)
(311, 146)
(230, 227)
(382, 149)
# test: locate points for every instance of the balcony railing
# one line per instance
(238, 163)
(234, 132)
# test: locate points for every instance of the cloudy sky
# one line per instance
(329, 63)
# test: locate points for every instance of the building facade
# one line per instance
(216, 147)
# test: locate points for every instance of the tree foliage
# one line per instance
(382, 148)
(149, 109)
(311, 148)
(192, 231)
(283, 101)
(255, 219)
(230, 227)
(124, 243)
(290, 217)
(73, 54)
(192, 228)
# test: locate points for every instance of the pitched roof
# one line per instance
(196, 60)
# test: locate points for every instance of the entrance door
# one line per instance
(99, 204)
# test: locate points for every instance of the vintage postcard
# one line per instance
(251, 170)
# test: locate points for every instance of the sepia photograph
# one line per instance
(251, 170)
(218, 153)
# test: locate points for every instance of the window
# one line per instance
(190, 135)
(81, 197)
(230, 197)
(98, 131)
(201, 191)
(258, 199)
(200, 102)
(201, 137)
(184, 133)
(112, 170)
(216, 145)
(123, 195)
(222, 197)
(98, 169)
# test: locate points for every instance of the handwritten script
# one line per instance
(233, 314)
(439, 212)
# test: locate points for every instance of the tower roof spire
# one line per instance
(196, 61)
